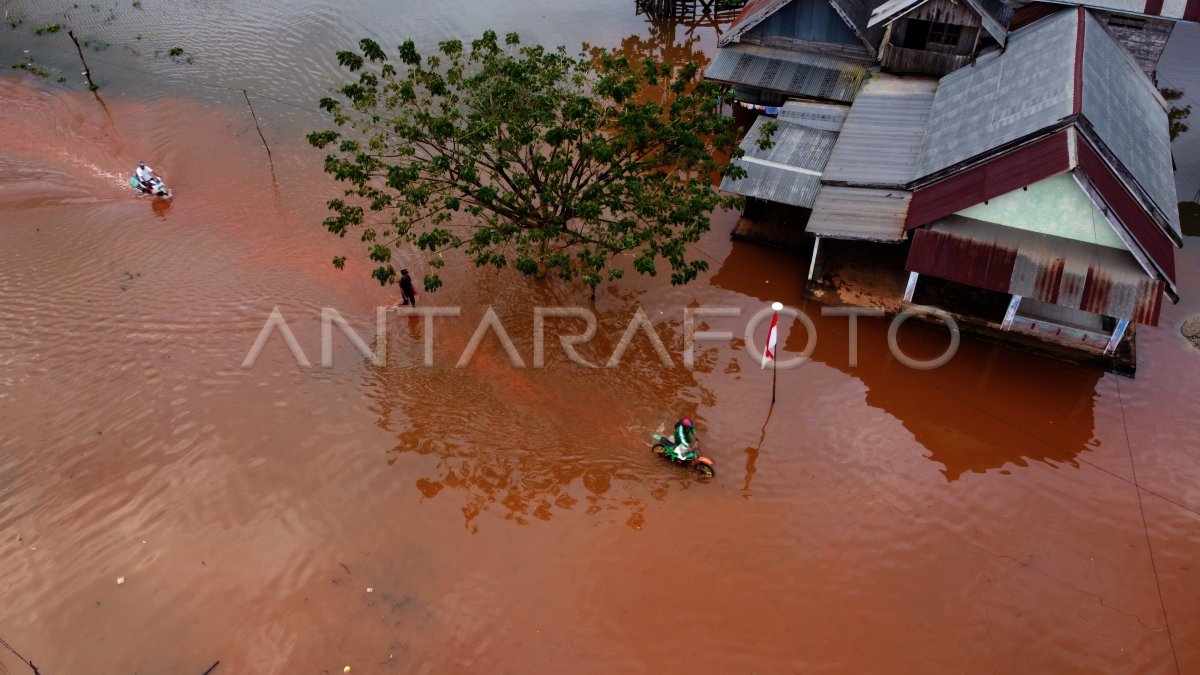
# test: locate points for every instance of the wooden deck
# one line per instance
(724, 9)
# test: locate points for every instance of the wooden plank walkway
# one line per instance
(726, 9)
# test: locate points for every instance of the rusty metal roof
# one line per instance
(859, 213)
(789, 172)
(880, 143)
(803, 74)
(1064, 272)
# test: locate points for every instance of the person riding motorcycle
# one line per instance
(145, 174)
(685, 439)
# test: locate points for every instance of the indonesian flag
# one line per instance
(769, 352)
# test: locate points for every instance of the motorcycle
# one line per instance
(156, 188)
(691, 459)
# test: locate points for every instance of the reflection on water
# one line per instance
(523, 444)
(1189, 218)
(987, 409)
(285, 520)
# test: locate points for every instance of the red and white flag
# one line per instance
(772, 336)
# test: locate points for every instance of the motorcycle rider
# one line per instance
(145, 174)
(685, 439)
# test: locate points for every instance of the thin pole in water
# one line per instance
(774, 378)
(87, 72)
(773, 349)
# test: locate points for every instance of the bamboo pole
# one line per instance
(87, 72)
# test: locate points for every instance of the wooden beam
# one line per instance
(812, 264)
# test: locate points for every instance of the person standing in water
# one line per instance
(406, 289)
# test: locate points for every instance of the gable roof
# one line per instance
(863, 193)
(854, 12)
(1004, 96)
(993, 15)
(1062, 95)
(752, 14)
(791, 72)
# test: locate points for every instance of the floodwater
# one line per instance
(163, 508)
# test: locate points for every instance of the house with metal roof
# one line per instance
(1142, 27)
(810, 49)
(1046, 177)
(936, 37)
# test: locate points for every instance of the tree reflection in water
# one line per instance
(524, 443)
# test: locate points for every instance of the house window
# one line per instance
(919, 34)
(945, 33)
(1130, 22)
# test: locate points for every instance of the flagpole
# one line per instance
(774, 378)
(777, 306)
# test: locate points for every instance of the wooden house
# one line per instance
(936, 37)
(1053, 193)
(807, 49)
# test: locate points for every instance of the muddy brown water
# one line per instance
(981, 517)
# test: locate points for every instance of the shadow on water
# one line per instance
(1189, 218)
(989, 408)
(520, 442)
(161, 207)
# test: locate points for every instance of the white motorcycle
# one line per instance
(155, 187)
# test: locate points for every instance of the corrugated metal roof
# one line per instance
(880, 143)
(827, 116)
(1003, 97)
(789, 172)
(1065, 272)
(1180, 10)
(787, 71)
(859, 213)
(1128, 114)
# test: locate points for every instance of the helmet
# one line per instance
(687, 422)
(141, 164)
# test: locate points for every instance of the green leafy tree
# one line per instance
(1177, 113)
(526, 156)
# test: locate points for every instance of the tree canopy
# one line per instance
(524, 156)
